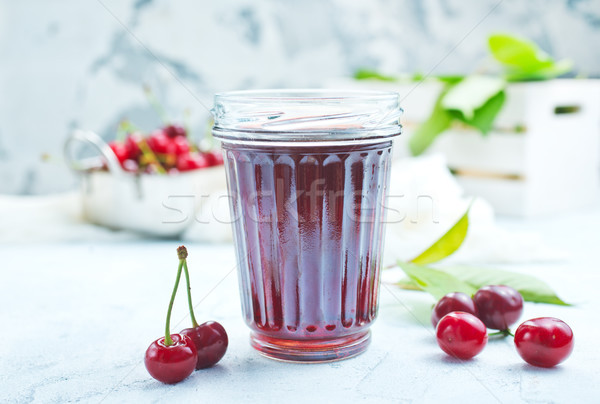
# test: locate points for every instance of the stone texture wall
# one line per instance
(71, 63)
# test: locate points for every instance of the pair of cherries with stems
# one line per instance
(172, 358)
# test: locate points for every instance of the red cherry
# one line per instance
(181, 145)
(498, 306)
(211, 342)
(191, 161)
(214, 157)
(132, 142)
(544, 341)
(455, 301)
(173, 363)
(159, 142)
(174, 131)
(461, 335)
(119, 150)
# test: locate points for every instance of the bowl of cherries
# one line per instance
(151, 183)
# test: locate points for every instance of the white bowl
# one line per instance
(154, 204)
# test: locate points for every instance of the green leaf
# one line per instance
(447, 244)
(484, 116)
(438, 122)
(435, 282)
(557, 69)
(476, 101)
(418, 76)
(519, 53)
(450, 79)
(408, 284)
(471, 94)
(524, 60)
(531, 288)
(366, 74)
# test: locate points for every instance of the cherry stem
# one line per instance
(156, 105)
(504, 333)
(208, 141)
(186, 123)
(189, 293)
(168, 340)
(150, 157)
(125, 127)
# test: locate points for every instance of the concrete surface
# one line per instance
(78, 317)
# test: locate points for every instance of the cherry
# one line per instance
(181, 145)
(209, 338)
(132, 142)
(211, 342)
(174, 131)
(461, 335)
(159, 142)
(171, 358)
(498, 306)
(119, 150)
(191, 161)
(455, 301)
(544, 341)
(171, 363)
(214, 157)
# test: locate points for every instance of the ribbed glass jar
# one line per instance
(307, 174)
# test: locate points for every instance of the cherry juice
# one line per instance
(308, 229)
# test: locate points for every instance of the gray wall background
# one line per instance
(82, 63)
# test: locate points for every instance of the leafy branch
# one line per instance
(476, 100)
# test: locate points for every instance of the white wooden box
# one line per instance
(543, 155)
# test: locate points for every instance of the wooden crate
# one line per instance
(543, 155)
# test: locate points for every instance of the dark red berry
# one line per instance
(191, 161)
(211, 342)
(455, 301)
(132, 142)
(498, 306)
(173, 363)
(181, 145)
(544, 341)
(160, 143)
(174, 131)
(214, 157)
(461, 335)
(119, 150)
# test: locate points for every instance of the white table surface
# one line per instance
(78, 317)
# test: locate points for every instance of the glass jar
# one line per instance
(307, 174)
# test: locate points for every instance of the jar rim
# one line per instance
(297, 94)
(306, 115)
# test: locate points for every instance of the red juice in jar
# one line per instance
(307, 174)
